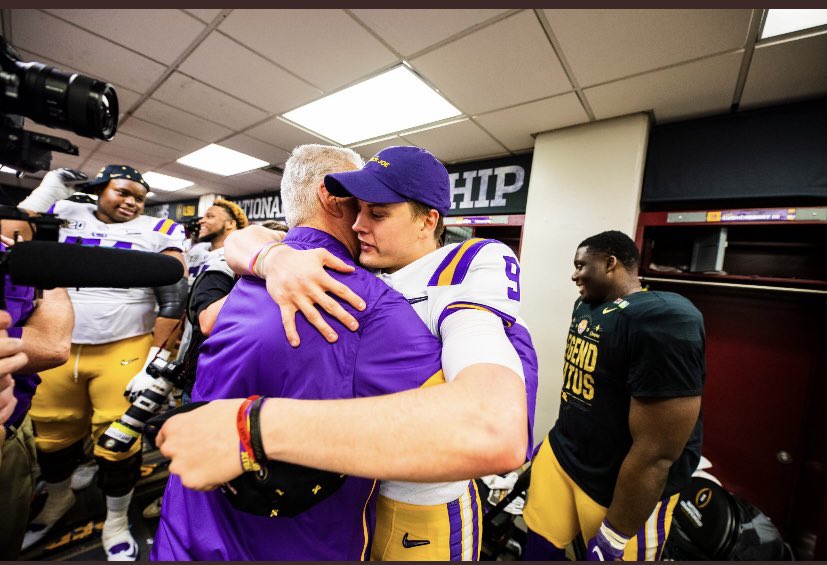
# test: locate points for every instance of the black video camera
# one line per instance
(55, 99)
(45, 227)
(125, 431)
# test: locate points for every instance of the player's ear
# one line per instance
(429, 222)
(611, 263)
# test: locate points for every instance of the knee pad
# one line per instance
(57, 466)
(117, 478)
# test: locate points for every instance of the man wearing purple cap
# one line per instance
(468, 295)
(246, 355)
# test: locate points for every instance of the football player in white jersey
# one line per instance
(116, 335)
(468, 294)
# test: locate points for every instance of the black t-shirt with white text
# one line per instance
(649, 344)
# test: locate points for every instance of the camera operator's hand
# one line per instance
(144, 380)
(56, 185)
(12, 359)
(202, 445)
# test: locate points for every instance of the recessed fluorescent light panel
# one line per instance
(393, 101)
(166, 182)
(5, 169)
(221, 161)
(780, 22)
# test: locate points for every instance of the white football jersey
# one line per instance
(104, 315)
(480, 274)
(197, 260)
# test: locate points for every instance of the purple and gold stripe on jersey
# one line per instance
(652, 535)
(508, 320)
(366, 526)
(165, 227)
(454, 267)
(465, 523)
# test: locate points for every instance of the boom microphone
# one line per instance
(45, 264)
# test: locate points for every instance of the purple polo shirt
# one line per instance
(248, 354)
(19, 305)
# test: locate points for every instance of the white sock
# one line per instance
(116, 538)
(59, 500)
(116, 509)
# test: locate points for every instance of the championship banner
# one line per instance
(259, 207)
(488, 188)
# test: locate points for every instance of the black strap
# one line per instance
(255, 430)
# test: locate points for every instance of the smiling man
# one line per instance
(116, 334)
(628, 436)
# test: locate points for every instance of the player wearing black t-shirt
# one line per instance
(628, 435)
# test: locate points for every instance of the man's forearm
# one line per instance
(47, 335)
(639, 487)
(241, 245)
(441, 433)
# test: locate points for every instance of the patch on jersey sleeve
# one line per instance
(455, 266)
(508, 321)
(165, 227)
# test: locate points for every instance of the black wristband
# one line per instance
(255, 430)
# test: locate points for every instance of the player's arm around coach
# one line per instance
(439, 433)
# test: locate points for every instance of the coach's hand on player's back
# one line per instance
(297, 281)
(204, 435)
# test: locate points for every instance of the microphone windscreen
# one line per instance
(46, 264)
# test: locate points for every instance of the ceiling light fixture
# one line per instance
(393, 101)
(779, 22)
(166, 182)
(221, 161)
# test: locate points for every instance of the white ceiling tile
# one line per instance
(170, 117)
(787, 70)
(159, 34)
(234, 69)
(198, 98)
(252, 182)
(160, 135)
(205, 15)
(410, 31)
(111, 155)
(62, 160)
(603, 45)
(462, 140)
(325, 47)
(256, 148)
(127, 146)
(690, 90)
(281, 134)
(504, 64)
(514, 127)
(46, 36)
(369, 150)
(197, 176)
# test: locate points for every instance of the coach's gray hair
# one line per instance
(304, 170)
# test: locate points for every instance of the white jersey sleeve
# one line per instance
(166, 234)
(472, 296)
(481, 274)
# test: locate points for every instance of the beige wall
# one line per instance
(584, 180)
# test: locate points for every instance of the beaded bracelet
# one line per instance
(258, 258)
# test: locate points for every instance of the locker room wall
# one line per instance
(584, 180)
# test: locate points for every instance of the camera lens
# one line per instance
(74, 102)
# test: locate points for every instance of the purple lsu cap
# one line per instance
(396, 174)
